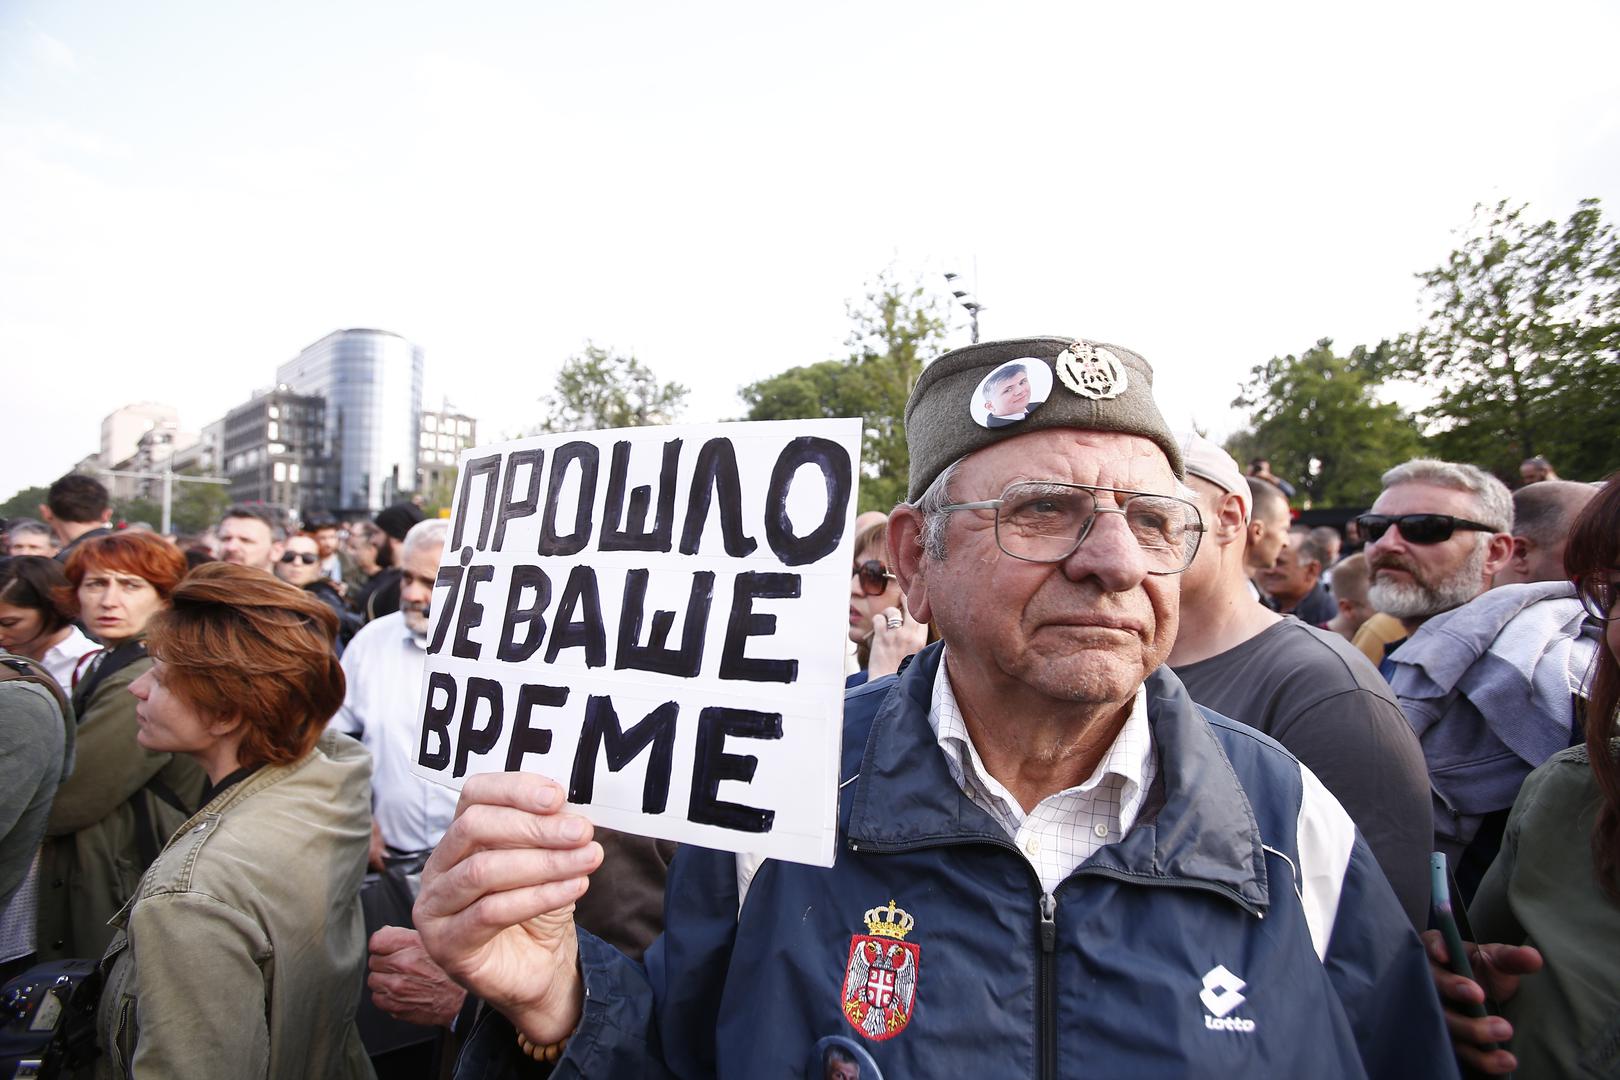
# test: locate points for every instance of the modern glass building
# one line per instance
(372, 383)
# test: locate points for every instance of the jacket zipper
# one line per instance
(1046, 988)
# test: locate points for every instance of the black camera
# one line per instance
(48, 1020)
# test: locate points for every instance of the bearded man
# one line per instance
(1486, 677)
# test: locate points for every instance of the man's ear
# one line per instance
(1228, 525)
(1520, 558)
(106, 515)
(1346, 608)
(1499, 551)
(909, 563)
(45, 514)
(276, 548)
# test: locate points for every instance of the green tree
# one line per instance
(1521, 344)
(601, 389)
(1317, 419)
(24, 504)
(894, 326)
(194, 507)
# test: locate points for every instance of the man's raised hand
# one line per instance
(496, 909)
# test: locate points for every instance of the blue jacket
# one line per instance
(1202, 944)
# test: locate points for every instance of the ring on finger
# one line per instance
(895, 622)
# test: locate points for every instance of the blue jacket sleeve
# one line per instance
(653, 1021)
(1378, 967)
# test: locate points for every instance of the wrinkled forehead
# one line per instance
(1070, 456)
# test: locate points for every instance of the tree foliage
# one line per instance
(893, 327)
(1522, 343)
(25, 504)
(600, 389)
(1317, 419)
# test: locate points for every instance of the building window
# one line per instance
(275, 413)
(292, 472)
(275, 430)
(279, 471)
(430, 422)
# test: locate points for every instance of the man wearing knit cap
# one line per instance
(1309, 689)
(1050, 861)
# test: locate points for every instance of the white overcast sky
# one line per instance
(190, 192)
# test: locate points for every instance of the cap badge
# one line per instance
(1091, 372)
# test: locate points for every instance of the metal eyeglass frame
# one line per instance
(1196, 526)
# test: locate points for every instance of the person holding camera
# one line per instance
(244, 949)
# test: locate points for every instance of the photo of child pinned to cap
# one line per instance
(1011, 392)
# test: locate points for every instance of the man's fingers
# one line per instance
(391, 939)
(476, 924)
(485, 872)
(1509, 959)
(521, 791)
(1491, 1063)
(483, 827)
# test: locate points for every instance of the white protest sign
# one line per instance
(655, 618)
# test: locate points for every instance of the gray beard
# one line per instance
(1417, 599)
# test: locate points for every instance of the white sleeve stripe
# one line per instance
(1324, 835)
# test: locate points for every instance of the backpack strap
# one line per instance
(106, 664)
(23, 669)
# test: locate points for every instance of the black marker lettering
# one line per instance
(530, 501)
(526, 739)
(580, 590)
(588, 457)
(713, 764)
(634, 536)
(743, 623)
(833, 461)
(656, 654)
(533, 617)
(436, 721)
(489, 468)
(471, 614)
(716, 473)
(451, 576)
(601, 730)
(471, 739)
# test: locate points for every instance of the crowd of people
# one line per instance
(1150, 769)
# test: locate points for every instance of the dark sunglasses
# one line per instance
(300, 556)
(1418, 528)
(875, 577)
(1597, 596)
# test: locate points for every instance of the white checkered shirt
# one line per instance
(1063, 830)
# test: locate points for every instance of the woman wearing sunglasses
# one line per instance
(881, 629)
(1552, 897)
(300, 566)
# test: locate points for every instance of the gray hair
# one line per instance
(1495, 502)
(1309, 547)
(424, 534)
(29, 527)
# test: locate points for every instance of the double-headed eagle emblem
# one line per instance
(880, 981)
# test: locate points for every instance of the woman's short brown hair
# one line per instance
(143, 554)
(239, 644)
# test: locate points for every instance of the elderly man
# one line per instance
(1294, 582)
(1065, 866)
(25, 536)
(251, 536)
(1306, 688)
(1486, 678)
(1542, 516)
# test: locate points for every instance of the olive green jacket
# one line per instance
(244, 952)
(107, 821)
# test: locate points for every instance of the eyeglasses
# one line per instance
(875, 577)
(1418, 528)
(1597, 595)
(305, 557)
(1043, 522)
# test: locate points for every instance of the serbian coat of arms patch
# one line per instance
(880, 981)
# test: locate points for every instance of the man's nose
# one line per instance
(1109, 552)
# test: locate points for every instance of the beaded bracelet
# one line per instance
(547, 1053)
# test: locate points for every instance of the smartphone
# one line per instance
(1446, 919)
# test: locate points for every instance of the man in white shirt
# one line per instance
(384, 665)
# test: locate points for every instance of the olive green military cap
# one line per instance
(972, 397)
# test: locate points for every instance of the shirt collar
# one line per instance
(1129, 756)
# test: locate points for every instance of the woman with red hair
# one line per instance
(112, 815)
(244, 950)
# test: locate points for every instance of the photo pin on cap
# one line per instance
(1011, 392)
(1091, 371)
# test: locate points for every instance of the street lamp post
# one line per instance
(965, 298)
